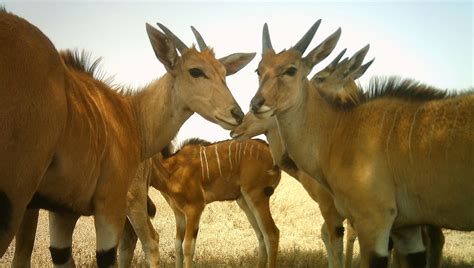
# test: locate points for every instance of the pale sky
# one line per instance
(426, 40)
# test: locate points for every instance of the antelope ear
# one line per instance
(356, 60)
(322, 50)
(164, 48)
(361, 70)
(234, 62)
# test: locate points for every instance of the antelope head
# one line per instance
(283, 75)
(336, 82)
(199, 77)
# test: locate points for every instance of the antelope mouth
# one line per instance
(225, 123)
(264, 112)
(236, 136)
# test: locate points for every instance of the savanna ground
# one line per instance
(226, 239)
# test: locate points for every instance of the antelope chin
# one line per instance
(264, 112)
(237, 136)
(228, 124)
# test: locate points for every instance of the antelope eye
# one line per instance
(196, 73)
(257, 71)
(291, 71)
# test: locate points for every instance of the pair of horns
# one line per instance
(355, 62)
(301, 46)
(180, 44)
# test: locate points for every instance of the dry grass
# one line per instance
(227, 240)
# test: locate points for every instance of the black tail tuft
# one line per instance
(287, 163)
(5, 211)
(268, 191)
(151, 208)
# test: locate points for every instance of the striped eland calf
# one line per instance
(200, 173)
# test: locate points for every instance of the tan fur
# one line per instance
(65, 132)
(77, 142)
(252, 126)
(180, 179)
(363, 153)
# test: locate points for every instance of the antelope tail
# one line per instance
(150, 207)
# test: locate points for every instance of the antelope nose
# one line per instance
(237, 114)
(256, 103)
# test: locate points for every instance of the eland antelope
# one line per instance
(200, 173)
(332, 230)
(70, 143)
(432, 236)
(375, 152)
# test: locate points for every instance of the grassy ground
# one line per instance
(227, 240)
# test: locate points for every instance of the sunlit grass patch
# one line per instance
(226, 239)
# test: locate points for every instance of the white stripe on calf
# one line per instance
(200, 159)
(207, 164)
(240, 152)
(237, 146)
(218, 160)
(230, 157)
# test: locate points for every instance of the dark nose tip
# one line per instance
(237, 114)
(256, 103)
